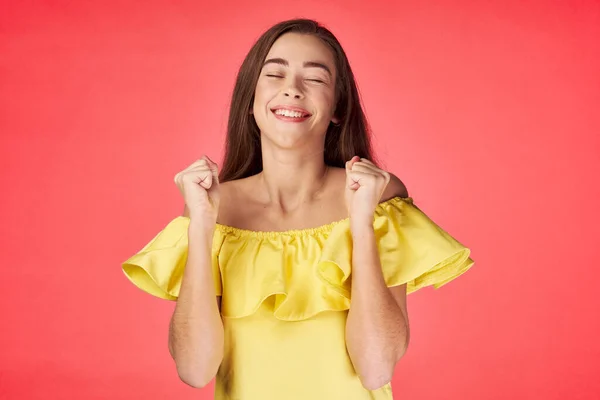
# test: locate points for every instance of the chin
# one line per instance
(290, 136)
(283, 140)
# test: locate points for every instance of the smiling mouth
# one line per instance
(282, 112)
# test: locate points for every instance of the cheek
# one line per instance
(262, 96)
(258, 99)
(263, 88)
(325, 102)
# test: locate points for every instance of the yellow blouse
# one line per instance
(285, 296)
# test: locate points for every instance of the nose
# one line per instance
(292, 93)
(292, 90)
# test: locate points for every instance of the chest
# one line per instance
(283, 267)
(261, 218)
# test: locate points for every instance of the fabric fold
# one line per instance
(413, 249)
(301, 273)
(158, 267)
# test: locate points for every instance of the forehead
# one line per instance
(299, 48)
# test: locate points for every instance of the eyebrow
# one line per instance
(307, 64)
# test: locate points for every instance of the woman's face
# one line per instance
(295, 93)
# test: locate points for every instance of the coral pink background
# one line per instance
(488, 111)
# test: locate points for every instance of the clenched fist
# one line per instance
(365, 184)
(199, 186)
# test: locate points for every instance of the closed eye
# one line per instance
(274, 76)
(315, 80)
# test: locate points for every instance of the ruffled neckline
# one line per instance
(303, 276)
(326, 228)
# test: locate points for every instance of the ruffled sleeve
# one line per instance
(413, 249)
(158, 268)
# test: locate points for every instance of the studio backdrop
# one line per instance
(487, 111)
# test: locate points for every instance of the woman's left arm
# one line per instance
(377, 328)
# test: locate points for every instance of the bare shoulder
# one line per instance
(395, 188)
(232, 194)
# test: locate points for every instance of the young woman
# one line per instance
(290, 266)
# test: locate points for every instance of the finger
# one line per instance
(361, 166)
(365, 177)
(375, 169)
(352, 183)
(201, 176)
(204, 179)
(214, 168)
(195, 167)
(200, 167)
(365, 170)
(366, 160)
(372, 166)
(356, 179)
(198, 163)
(350, 162)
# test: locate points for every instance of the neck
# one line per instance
(290, 179)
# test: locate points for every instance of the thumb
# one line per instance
(350, 181)
(351, 162)
(214, 169)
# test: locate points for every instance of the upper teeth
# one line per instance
(288, 113)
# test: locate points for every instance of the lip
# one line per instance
(305, 113)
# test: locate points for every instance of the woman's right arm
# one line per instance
(196, 337)
(196, 329)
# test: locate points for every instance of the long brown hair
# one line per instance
(350, 137)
